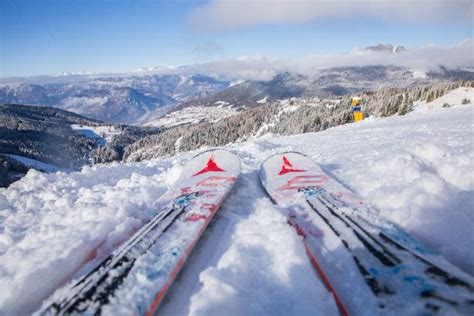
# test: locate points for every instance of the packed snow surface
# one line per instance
(416, 169)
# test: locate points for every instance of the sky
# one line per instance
(52, 37)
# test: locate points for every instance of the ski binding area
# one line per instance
(348, 243)
(167, 241)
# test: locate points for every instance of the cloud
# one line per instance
(258, 67)
(428, 57)
(228, 14)
(248, 67)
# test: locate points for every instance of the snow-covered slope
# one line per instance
(457, 96)
(416, 169)
(103, 134)
(193, 115)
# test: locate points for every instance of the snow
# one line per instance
(419, 73)
(252, 259)
(415, 169)
(36, 164)
(194, 114)
(262, 101)
(103, 134)
(221, 103)
(452, 98)
(287, 108)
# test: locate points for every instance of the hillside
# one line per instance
(43, 138)
(326, 83)
(284, 117)
(45, 134)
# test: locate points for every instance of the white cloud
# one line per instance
(249, 67)
(427, 57)
(221, 14)
(259, 67)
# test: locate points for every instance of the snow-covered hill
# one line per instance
(416, 169)
(194, 115)
(463, 95)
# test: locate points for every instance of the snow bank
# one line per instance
(52, 224)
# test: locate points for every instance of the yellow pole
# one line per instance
(356, 109)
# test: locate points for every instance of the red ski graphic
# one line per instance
(211, 166)
(287, 167)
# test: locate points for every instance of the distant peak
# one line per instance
(389, 48)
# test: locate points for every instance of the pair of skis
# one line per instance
(369, 264)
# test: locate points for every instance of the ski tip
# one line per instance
(282, 153)
(214, 149)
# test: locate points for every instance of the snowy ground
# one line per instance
(195, 114)
(457, 96)
(416, 169)
(103, 134)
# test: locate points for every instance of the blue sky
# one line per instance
(51, 37)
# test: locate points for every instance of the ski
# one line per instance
(154, 255)
(369, 264)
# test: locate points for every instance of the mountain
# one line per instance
(327, 83)
(117, 99)
(388, 48)
(24, 93)
(164, 100)
(119, 105)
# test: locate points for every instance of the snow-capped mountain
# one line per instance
(132, 98)
(385, 48)
(330, 82)
(119, 99)
(123, 105)
(24, 93)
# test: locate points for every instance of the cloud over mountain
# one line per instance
(259, 67)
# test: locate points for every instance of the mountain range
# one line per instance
(119, 99)
(147, 95)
